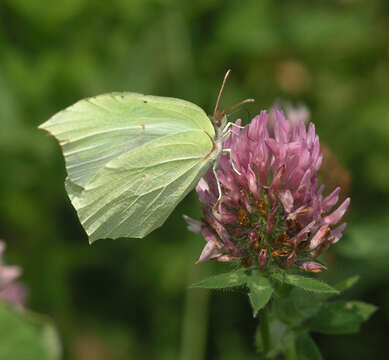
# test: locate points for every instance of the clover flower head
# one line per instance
(272, 210)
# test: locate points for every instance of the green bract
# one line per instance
(130, 159)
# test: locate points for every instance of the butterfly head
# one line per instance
(219, 117)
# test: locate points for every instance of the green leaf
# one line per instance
(26, 336)
(347, 284)
(298, 306)
(365, 310)
(285, 309)
(307, 283)
(306, 303)
(261, 291)
(306, 348)
(341, 317)
(221, 281)
(280, 335)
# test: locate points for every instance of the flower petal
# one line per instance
(319, 237)
(312, 266)
(330, 200)
(286, 199)
(337, 214)
(210, 251)
(336, 234)
(193, 225)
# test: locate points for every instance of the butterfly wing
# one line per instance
(130, 159)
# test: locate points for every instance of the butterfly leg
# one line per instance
(228, 151)
(228, 133)
(231, 124)
(219, 189)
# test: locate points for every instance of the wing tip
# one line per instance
(48, 125)
(44, 127)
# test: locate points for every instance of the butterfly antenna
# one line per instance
(219, 115)
(237, 105)
(216, 111)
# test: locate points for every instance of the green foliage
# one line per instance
(280, 335)
(295, 312)
(260, 288)
(261, 291)
(341, 317)
(305, 282)
(27, 336)
(301, 304)
(306, 348)
(221, 281)
(296, 306)
(347, 284)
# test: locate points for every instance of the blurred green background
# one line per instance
(128, 299)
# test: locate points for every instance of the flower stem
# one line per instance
(265, 330)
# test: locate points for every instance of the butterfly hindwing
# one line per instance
(135, 193)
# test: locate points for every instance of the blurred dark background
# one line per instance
(129, 299)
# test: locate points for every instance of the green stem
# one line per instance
(265, 330)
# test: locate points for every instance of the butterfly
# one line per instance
(131, 158)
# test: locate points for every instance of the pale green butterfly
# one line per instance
(131, 158)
